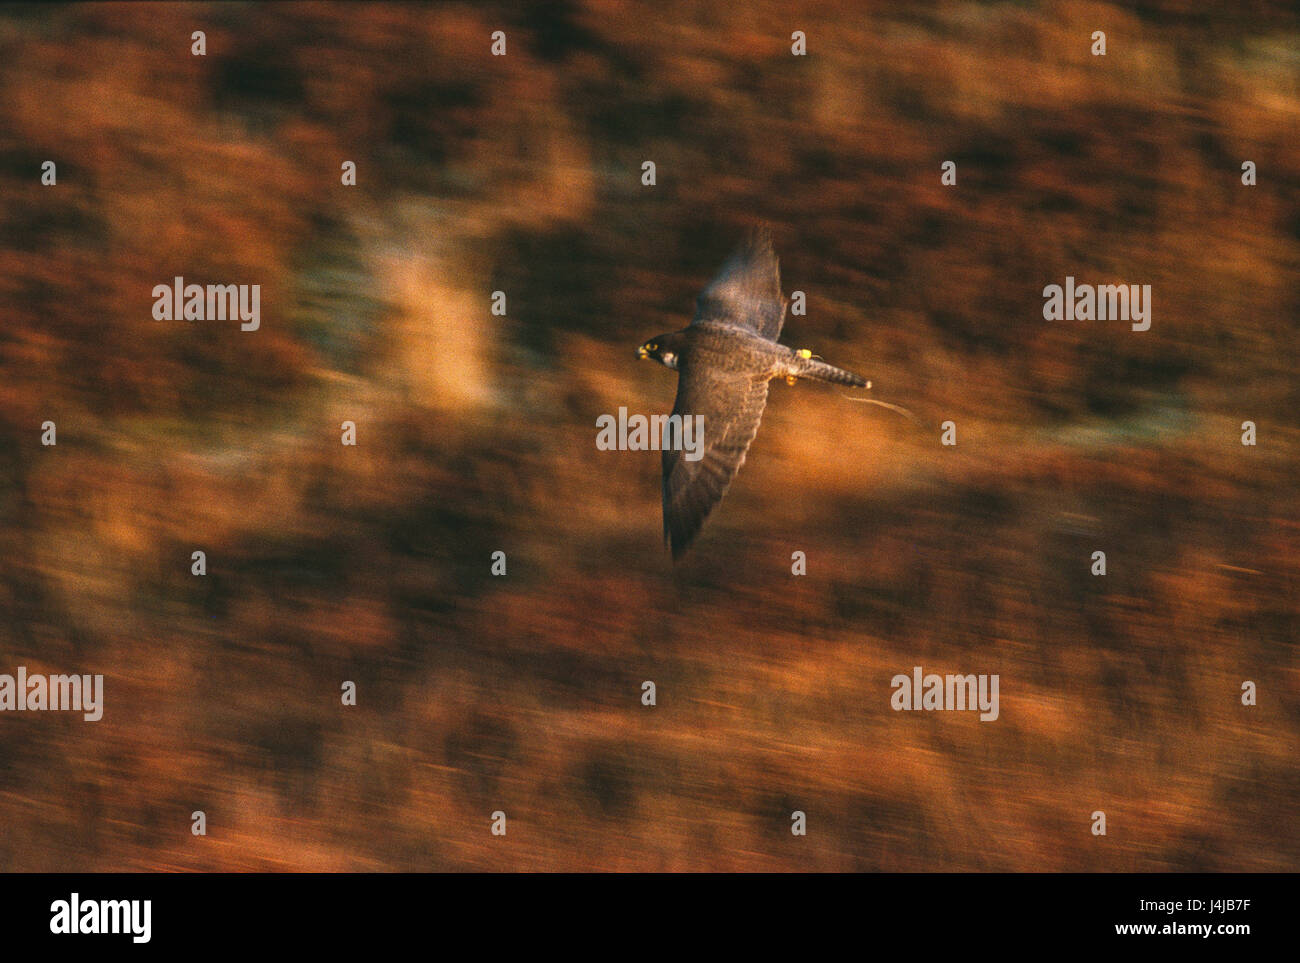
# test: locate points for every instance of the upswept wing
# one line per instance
(747, 291)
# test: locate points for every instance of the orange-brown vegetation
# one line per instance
(476, 433)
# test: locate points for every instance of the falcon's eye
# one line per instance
(652, 347)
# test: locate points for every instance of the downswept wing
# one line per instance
(732, 405)
(747, 291)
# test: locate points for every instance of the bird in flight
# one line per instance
(724, 360)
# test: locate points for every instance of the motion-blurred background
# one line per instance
(476, 433)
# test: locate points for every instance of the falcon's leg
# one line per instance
(803, 353)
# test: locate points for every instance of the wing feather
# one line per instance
(732, 404)
(747, 291)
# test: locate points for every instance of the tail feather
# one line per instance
(821, 371)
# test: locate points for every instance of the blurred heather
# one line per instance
(476, 433)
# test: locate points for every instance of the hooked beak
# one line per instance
(642, 353)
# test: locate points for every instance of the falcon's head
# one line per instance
(662, 349)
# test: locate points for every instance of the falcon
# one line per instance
(724, 361)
